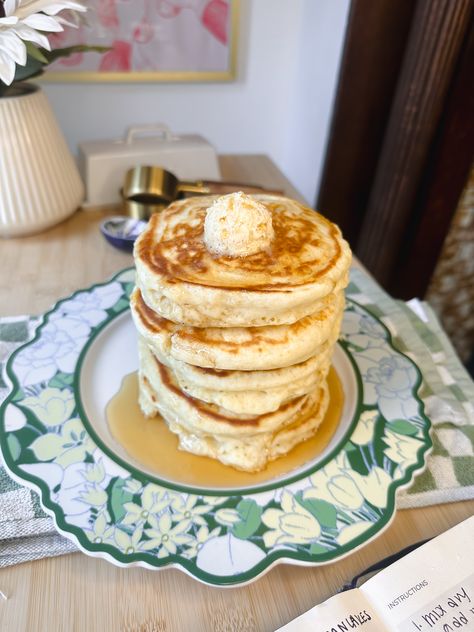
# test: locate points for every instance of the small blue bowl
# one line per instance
(122, 231)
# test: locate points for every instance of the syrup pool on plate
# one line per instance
(150, 443)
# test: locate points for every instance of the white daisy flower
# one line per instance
(166, 538)
(27, 21)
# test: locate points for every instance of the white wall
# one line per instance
(280, 104)
(314, 83)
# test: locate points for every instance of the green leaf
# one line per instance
(316, 549)
(357, 461)
(250, 514)
(355, 347)
(72, 50)
(117, 499)
(128, 288)
(14, 446)
(19, 395)
(35, 52)
(324, 512)
(120, 305)
(32, 68)
(60, 380)
(351, 447)
(37, 59)
(403, 427)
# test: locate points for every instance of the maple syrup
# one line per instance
(150, 443)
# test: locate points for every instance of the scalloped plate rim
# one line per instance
(272, 558)
(108, 557)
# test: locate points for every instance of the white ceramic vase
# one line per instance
(39, 181)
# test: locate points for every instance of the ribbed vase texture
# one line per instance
(39, 181)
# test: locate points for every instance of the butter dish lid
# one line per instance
(104, 163)
(141, 138)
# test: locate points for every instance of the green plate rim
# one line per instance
(148, 560)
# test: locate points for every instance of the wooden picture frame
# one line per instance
(151, 41)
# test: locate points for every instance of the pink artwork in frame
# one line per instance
(150, 40)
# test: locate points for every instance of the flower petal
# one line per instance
(30, 35)
(301, 528)
(150, 544)
(122, 539)
(352, 531)
(170, 546)
(164, 523)
(42, 22)
(181, 527)
(10, 7)
(182, 539)
(345, 492)
(136, 537)
(374, 486)
(227, 517)
(46, 6)
(71, 456)
(100, 524)
(7, 68)
(14, 47)
(271, 518)
(270, 538)
(47, 446)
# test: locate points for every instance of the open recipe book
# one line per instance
(429, 590)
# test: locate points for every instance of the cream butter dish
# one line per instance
(104, 163)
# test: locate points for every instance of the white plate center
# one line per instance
(113, 355)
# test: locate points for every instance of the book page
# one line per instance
(432, 588)
(342, 613)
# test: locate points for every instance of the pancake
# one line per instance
(243, 441)
(186, 283)
(238, 304)
(225, 380)
(205, 416)
(240, 348)
(234, 313)
(254, 401)
(251, 401)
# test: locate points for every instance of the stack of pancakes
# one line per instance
(234, 351)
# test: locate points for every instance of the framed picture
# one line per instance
(151, 40)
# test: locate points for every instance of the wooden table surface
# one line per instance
(76, 592)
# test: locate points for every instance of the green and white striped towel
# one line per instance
(447, 392)
(27, 533)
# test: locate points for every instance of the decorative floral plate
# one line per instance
(54, 438)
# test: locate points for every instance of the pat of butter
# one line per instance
(237, 225)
